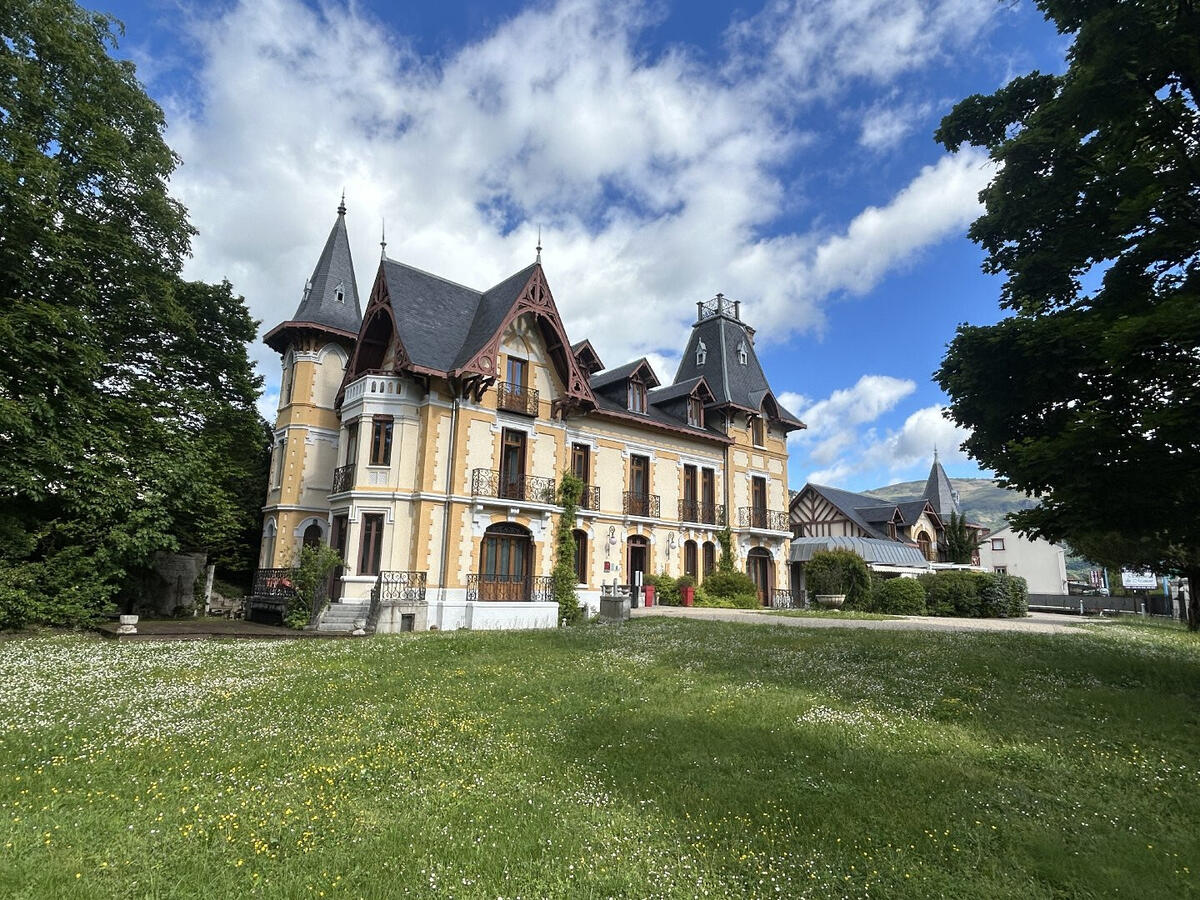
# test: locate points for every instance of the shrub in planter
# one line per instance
(900, 596)
(839, 572)
(666, 589)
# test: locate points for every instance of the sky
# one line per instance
(779, 153)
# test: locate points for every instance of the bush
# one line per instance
(310, 580)
(900, 596)
(666, 589)
(730, 584)
(839, 572)
(975, 594)
(734, 601)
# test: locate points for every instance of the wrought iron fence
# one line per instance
(529, 488)
(754, 517)
(516, 398)
(641, 505)
(704, 513)
(509, 588)
(590, 498)
(401, 586)
(343, 479)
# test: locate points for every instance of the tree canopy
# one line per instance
(127, 419)
(1088, 395)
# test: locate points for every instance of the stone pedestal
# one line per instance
(614, 608)
(128, 625)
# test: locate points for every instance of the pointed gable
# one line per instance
(587, 356)
(330, 297)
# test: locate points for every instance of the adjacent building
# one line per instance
(1042, 564)
(424, 439)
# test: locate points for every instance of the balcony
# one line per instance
(522, 488)
(766, 519)
(702, 513)
(343, 479)
(646, 505)
(510, 588)
(590, 498)
(516, 398)
(400, 587)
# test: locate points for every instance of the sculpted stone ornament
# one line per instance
(128, 625)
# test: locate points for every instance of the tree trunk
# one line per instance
(1193, 608)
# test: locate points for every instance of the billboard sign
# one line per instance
(1138, 581)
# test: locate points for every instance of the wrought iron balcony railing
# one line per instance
(516, 398)
(526, 488)
(770, 519)
(782, 599)
(590, 498)
(343, 479)
(641, 505)
(495, 588)
(704, 513)
(274, 584)
(392, 587)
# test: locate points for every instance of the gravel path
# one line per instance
(1036, 623)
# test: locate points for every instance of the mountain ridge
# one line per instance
(983, 501)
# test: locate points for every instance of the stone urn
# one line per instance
(831, 601)
(128, 625)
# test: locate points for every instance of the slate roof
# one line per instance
(851, 506)
(441, 323)
(673, 391)
(319, 305)
(657, 416)
(940, 493)
(620, 373)
(731, 382)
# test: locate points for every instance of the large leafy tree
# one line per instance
(1088, 394)
(122, 388)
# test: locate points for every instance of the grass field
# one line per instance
(658, 759)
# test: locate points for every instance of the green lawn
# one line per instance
(662, 758)
(829, 614)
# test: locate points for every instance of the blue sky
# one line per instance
(779, 153)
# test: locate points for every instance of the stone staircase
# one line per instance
(344, 616)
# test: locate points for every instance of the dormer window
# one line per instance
(637, 396)
(339, 293)
(695, 412)
(701, 353)
(741, 352)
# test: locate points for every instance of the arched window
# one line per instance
(639, 556)
(710, 557)
(505, 563)
(690, 559)
(581, 555)
(289, 377)
(761, 569)
(926, 545)
(268, 546)
(313, 535)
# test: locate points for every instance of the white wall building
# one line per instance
(1043, 565)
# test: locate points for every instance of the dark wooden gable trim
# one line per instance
(380, 302)
(707, 392)
(589, 358)
(535, 298)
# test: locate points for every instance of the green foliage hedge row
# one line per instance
(974, 595)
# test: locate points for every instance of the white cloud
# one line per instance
(915, 441)
(655, 178)
(886, 124)
(848, 408)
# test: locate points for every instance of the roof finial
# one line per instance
(342, 205)
(935, 453)
(382, 238)
(539, 245)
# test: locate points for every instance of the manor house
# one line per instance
(424, 440)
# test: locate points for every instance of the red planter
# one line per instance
(649, 591)
(688, 596)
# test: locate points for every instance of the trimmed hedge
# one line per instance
(976, 595)
(729, 584)
(900, 596)
(735, 601)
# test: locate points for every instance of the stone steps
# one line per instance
(343, 616)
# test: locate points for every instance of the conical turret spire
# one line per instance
(940, 492)
(330, 295)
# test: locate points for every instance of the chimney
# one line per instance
(737, 310)
(699, 310)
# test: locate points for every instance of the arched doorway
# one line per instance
(638, 556)
(268, 546)
(505, 563)
(761, 569)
